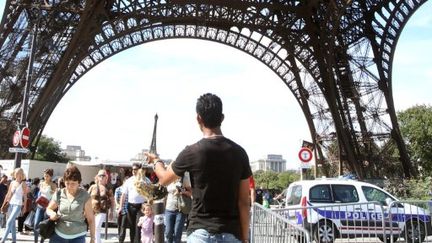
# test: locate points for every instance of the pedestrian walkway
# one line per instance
(112, 236)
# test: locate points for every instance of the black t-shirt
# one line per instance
(3, 192)
(216, 167)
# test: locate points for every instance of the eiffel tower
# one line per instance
(153, 149)
(335, 56)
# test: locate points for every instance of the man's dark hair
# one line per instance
(36, 181)
(209, 108)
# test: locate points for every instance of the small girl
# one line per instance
(146, 224)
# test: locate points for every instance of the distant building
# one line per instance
(140, 156)
(74, 152)
(273, 162)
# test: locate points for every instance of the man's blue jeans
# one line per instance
(203, 236)
(174, 223)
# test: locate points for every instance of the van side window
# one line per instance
(345, 194)
(294, 195)
(373, 194)
(320, 193)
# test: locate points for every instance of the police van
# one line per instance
(342, 208)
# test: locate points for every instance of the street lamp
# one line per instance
(28, 81)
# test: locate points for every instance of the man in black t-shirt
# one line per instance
(3, 188)
(219, 173)
(3, 191)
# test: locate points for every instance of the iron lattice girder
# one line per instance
(313, 46)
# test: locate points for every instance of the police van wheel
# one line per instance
(415, 231)
(387, 239)
(325, 232)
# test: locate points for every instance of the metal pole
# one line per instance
(28, 81)
(252, 224)
(106, 223)
(158, 210)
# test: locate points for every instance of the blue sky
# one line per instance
(110, 111)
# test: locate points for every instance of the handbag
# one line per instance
(29, 221)
(47, 226)
(4, 208)
(42, 201)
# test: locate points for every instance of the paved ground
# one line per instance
(112, 236)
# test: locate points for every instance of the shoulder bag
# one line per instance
(4, 208)
(29, 221)
(41, 200)
(184, 202)
(47, 226)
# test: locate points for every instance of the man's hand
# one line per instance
(151, 158)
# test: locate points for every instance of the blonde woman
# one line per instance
(102, 200)
(16, 195)
(47, 190)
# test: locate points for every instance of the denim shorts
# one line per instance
(203, 236)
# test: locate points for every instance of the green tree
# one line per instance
(285, 178)
(416, 128)
(274, 180)
(265, 179)
(49, 150)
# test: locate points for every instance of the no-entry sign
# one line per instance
(305, 154)
(25, 137)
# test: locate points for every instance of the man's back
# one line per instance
(216, 166)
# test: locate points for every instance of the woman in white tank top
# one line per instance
(16, 195)
(47, 189)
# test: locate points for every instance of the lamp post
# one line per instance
(28, 81)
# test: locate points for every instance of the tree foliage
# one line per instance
(410, 189)
(416, 128)
(274, 180)
(49, 149)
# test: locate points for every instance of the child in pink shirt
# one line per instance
(146, 224)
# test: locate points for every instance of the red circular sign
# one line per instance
(25, 137)
(16, 138)
(305, 154)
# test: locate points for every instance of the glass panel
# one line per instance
(320, 193)
(345, 193)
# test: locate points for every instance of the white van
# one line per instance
(341, 208)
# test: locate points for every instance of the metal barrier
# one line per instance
(326, 223)
(269, 227)
(401, 221)
(414, 220)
